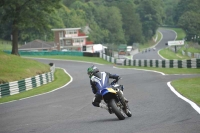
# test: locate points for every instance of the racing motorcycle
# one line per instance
(115, 100)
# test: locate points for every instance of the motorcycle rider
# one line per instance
(99, 81)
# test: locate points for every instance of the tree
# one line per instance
(131, 22)
(110, 18)
(190, 22)
(187, 16)
(151, 16)
(25, 14)
(169, 8)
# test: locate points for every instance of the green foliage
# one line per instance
(110, 21)
(131, 22)
(190, 21)
(169, 9)
(187, 17)
(97, 34)
(151, 15)
(25, 14)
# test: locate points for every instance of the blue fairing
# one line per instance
(104, 91)
(101, 82)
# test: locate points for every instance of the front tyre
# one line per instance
(117, 110)
(128, 111)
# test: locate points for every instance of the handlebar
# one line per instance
(115, 81)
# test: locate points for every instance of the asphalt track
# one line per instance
(167, 35)
(155, 108)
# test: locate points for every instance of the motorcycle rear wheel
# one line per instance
(117, 110)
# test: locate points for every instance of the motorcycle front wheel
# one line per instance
(117, 110)
(128, 111)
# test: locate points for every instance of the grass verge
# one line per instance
(13, 68)
(168, 54)
(76, 58)
(60, 79)
(189, 88)
(151, 42)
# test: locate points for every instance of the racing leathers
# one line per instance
(100, 81)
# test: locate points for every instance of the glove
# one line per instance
(112, 83)
(116, 80)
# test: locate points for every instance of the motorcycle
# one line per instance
(113, 97)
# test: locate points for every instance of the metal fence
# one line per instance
(192, 63)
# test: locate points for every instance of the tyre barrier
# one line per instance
(16, 87)
(192, 63)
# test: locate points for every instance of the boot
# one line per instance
(103, 105)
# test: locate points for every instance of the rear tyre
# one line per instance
(117, 110)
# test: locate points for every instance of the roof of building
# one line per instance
(37, 44)
(65, 29)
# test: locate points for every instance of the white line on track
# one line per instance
(185, 99)
(63, 60)
(194, 105)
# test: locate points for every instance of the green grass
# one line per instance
(77, 58)
(189, 88)
(168, 54)
(60, 79)
(180, 33)
(192, 49)
(13, 68)
(150, 43)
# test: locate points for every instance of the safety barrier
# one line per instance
(195, 55)
(193, 63)
(43, 53)
(50, 53)
(16, 87)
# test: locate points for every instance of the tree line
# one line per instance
(110, 21)
(184, 14)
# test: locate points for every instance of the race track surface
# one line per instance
(155, 108)
(167, 35)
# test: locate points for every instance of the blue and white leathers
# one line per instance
(101, 80)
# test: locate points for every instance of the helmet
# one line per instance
(92, 70)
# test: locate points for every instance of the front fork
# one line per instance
(121, 99)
